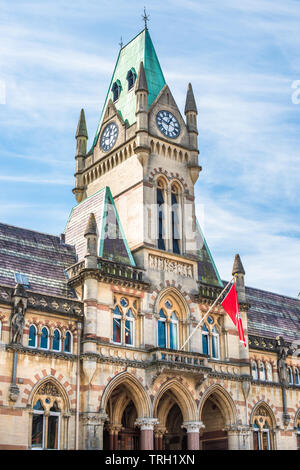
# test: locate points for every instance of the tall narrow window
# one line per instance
(32, 337)
(297, 378)
(175, 219)
(131, 78)
(44, 338)
(290, 372)
(269, 372)
(116, 90)
(56, 340)
(68, 342)
(174, 331)
(38, 426)
(254, 370)
(262, 371)
(117, 337)
(129, 328)
(160, 214)
(215, 343)
(205, 340)
(162, 330)
(262, 429)
(53, 427)
(256, 437)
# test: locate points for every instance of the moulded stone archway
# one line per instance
(218, 414)
(125, 402)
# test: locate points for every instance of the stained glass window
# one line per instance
(160, 202)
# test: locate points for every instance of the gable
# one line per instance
(112, 244)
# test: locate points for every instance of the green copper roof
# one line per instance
(207, 270)
(140, 49)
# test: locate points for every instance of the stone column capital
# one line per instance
(146, 424)
(193, 426)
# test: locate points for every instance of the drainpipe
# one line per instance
(79, 328)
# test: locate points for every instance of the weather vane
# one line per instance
(145, 17)
(121, 43)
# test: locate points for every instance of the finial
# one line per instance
(145, 18)
(121, 43)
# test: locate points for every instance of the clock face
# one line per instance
(168, 124)
(109, 137)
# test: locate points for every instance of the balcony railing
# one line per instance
(110, 268)
(208, 291)
(176, 357)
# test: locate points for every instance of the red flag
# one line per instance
(231, 306)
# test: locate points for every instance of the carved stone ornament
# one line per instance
(171, 266)
(14, 392)
(17, 323)
(49, 389)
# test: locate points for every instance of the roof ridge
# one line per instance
(31, 230)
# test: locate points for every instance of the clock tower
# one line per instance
(146, 152)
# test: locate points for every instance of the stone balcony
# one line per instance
(110, 271)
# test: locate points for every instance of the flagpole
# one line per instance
(203, 318)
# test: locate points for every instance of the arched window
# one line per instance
(68, 342)
(46, 430)
(290, 372)
(215, 343)
(269, 372)
(44, 338)
(262, 430)
(262, 371)
(254, 370)
(162, 343)
(160, 199)
(175, 218)
(131, 78)
(32, 337)
(116, 90)
(56, 344)
(117, 330)
(129, 328)
(174, 331)
(205, 340)
(297, 377)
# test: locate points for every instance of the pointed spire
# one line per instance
(81, 128)
(190, 103)
(91, 226)
(237, 266)
(141, 82)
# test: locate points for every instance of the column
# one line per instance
(193, 436)
(93, 430)
(146, 426)
(158, 437)
(233, 437)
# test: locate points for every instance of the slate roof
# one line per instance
(207, 270)
(41, 257)
(272, 315)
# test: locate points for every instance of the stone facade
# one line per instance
(95, 353)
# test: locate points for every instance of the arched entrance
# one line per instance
(217, 412)
(124, 401)
(173, 408)
(213, 436)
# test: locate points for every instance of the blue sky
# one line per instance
(242, 59)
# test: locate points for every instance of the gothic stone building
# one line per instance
(93, 322)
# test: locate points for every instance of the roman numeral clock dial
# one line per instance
(168, 124)
(109, 137)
